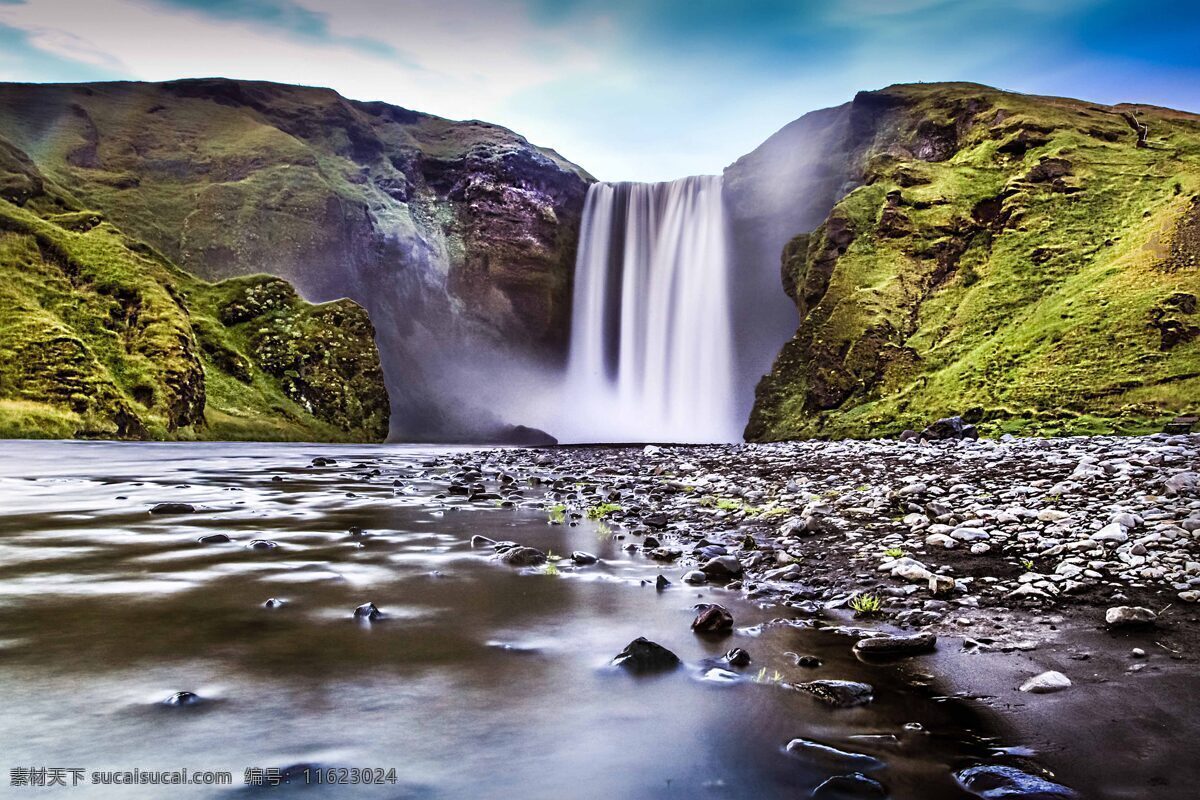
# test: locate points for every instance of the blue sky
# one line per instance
(629, 89)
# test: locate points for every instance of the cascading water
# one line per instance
(652, 349)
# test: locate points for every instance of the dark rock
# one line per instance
(642, 656)
(909, 435)
(839, 694)
(896, 645)
(521, 556)
(661, 582)
(320, 461)
(274, 602)
(810, 662)
(583, 559)
(459, 489)
(214, 538)
(997, 782)
(737, 657)
(854, 786)
(722, 568)
(356, 531)
(262, 544)
(950, 428)
(712, 618)
(368, 611)
(183, 699)
(524, 436)
(173, 508)
(656, 520)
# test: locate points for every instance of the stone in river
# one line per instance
(737, 657)
(183, 699)
(262, 544)
(520, 556)
(643, 656)
(722, 568)
(998, 782)
(356, 531)
(319, 461)
(368, 611)
(583, 559)
(274, 602)
(1046, 683)
(214, 538)
(896, 645)
(839, 694)
(712, 618)
(173, 508)
(1130, 617)
(656, 520)
(661, 583)
(854, 786)
(482, 541)
(695, 577)
(830, 757)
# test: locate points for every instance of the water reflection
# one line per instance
(480, 680)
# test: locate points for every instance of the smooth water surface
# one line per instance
(484, 681)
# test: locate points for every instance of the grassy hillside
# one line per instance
(1022, 259)
(101, 336)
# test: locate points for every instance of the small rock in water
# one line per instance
(274, 602)
(661, 582)
(839, 694)
(214, 538)
(830, 757)
(521, 556)
(183, 699)
(997, 782)
(722, 568)
(642, 656)
(324, 462)
(854, 786)
(1137, 652)
(262, 544)
(737, 657)
(1130, 617)
(1046, 683)
(695, 577)
(356, 531)
(657, 521)
(368, 611)
(173, 508)
(896, 645)
(809, 662)
(712, 618)
(583, 559)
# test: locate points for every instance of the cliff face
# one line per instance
(457, 237)
(1030, 261)
(102, 336)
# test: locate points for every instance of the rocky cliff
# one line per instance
(1030, 261)
(102, 336)
(457, 237)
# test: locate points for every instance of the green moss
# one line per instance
(102, 337)
(1022, 269)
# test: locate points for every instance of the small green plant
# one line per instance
(894, 552)
(603, 510)
(725, 504)
(552, 560)
(866, 605)
(558, 514)
(763, 677)
(1027, 564)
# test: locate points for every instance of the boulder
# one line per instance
(521, 556)
(643, 656)
(912, 644)
(839, 694)
(1046, 683)
(712, 618)
(173, 508)
(1130, 617)
(998, 782)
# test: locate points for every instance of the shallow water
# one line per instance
(484, 681)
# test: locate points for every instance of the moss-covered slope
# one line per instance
(1032, 261)
(100, 336)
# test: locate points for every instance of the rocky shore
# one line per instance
(1040, 576)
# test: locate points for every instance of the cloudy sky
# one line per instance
(629, 89)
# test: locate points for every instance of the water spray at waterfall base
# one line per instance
(652, 346)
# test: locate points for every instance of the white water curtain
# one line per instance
(651, 354)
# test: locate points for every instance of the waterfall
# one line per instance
(651, 356)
